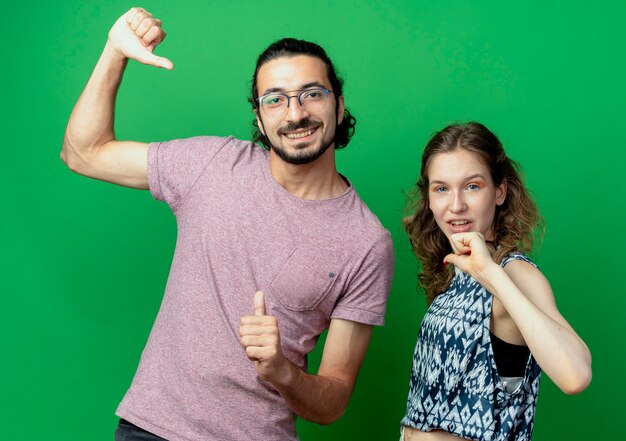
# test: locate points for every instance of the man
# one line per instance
(277, 232)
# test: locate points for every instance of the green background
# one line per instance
(84, 263)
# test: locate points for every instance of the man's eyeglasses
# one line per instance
(311, 100)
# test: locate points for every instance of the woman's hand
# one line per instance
(470, 254)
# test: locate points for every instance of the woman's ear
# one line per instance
(501, 193)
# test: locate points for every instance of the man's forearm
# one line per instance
(320, 398)
(91, 122)
(316, 398)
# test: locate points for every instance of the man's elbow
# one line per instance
(71, 160)
(332, 413)
(329, 418)
(74, 159)
(75, 153)
(65, 157)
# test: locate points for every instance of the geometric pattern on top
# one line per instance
(454, 383)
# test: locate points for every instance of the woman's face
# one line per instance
(461, 193)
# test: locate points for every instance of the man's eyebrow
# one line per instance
(313, 84)
(304, 86)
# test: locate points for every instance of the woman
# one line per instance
(492, 324)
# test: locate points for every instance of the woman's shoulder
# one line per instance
(525, 273)
(517, 256)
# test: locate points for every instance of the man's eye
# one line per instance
(273, 100)
(313, 94)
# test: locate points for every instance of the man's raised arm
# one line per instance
(89, 145)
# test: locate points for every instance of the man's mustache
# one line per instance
(305, 123)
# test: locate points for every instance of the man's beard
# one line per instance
(301, 155)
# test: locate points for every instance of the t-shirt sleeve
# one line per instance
(175, 166)
(365, 299)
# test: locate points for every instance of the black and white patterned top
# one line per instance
(455, 384)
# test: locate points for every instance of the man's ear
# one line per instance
(501, 193)
(259, 122)
(341, 108)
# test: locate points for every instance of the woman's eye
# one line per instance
(473, 187)
(440, 189)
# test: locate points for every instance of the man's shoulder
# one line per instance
(204, 149)
(207, 141)
(359, 233)
(365, 221)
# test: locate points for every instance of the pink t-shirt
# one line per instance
(239, 231)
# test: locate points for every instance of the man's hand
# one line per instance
(135, 35)
(261, 339)
(320, 398)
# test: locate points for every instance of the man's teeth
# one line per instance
(299, 135)
(459, 222)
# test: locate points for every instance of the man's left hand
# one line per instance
(261, 340)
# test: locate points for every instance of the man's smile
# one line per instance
(300, 133)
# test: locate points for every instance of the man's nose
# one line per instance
(295, 112)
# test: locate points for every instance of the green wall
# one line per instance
(84, 263)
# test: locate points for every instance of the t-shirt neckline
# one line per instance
(282, 190)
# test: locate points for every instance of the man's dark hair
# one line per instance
(290, 47)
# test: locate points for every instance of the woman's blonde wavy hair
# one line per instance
(516, 221)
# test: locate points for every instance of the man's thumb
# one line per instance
(147, 57)
(259, 303)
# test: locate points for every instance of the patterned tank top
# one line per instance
(455, 384)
